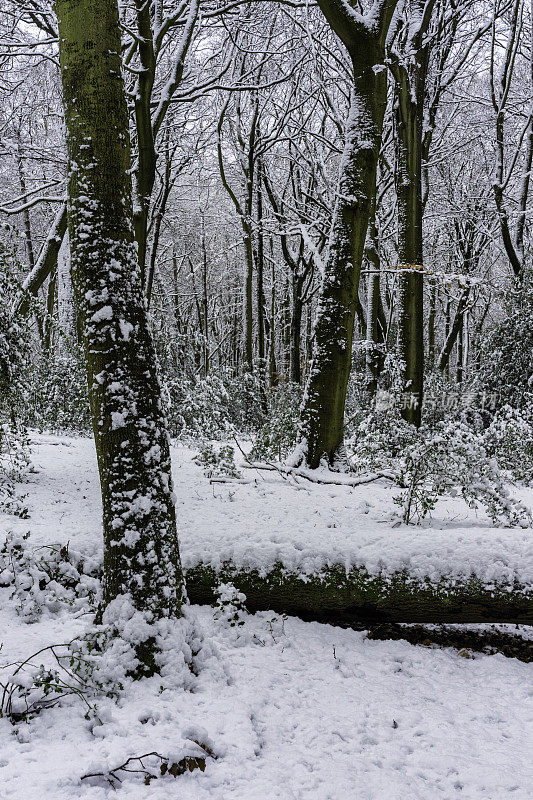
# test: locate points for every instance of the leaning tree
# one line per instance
(322, 422)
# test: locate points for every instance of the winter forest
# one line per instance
(266, 399)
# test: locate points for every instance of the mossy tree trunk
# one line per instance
(376, 324)
(141, 556)
(336, 595)
(322, 419)
(410, 69)
(408, 119)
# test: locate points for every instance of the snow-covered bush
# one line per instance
(507, 352)
(230, 614)
(451, 459)
(217, 462)
(230, 606)
(49, 577)
(380, 437)
(277, 437)
(14, 340)
(509, 438)
(14, 465)
(113, 652)
(14, 356)
(247, 399)
(31, 688)
(204, 411)
(56, 399)
(103, 660)
(214, 407)
(445, 458)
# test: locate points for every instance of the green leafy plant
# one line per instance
(30, 687)
(277, 437)
(451, 459)
(50, 577)
(217, 462)
(230, 605)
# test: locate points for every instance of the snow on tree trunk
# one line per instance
(141, 556)
(322, 422)
(408, 119)
(410, 70)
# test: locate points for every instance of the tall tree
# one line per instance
(322, 420)
(141, 556)
(410, 70)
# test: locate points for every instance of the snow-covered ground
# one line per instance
(293, 709)
(303, 525)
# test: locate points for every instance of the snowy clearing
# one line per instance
(305, 526)
(293, 709)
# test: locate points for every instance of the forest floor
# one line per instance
(291, 709)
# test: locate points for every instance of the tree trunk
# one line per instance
(205, 302)
(454, 330)
(296, 329)
(248, 297)
(272, 367)
(158, 220)
(447, 327)
(260, 259)
(308, 337)
(322, 417)
(409, 119)
(459, 365)
(28, 240)
(375, 324)
(431, 321)
(286, 327)
(51, 296)
(410, 70)
(141, 556)
(66, 310)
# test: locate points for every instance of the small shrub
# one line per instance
(56, 400)
(214, 407)
(50, 577)
(380, 438)
(204, 412)
(14, 464)
(31, 688)
(14, 338)
(230, 606)
(217, 462)
(509, 438)
(277, 437)
(451, 459)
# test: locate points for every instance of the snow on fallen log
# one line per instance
(338, 595)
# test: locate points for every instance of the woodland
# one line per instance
(266, 399)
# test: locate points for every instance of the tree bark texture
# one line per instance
(337, 596)
(322, 417)
(410, 73)
(141, 556)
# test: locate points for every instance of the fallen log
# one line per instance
(338, 596)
